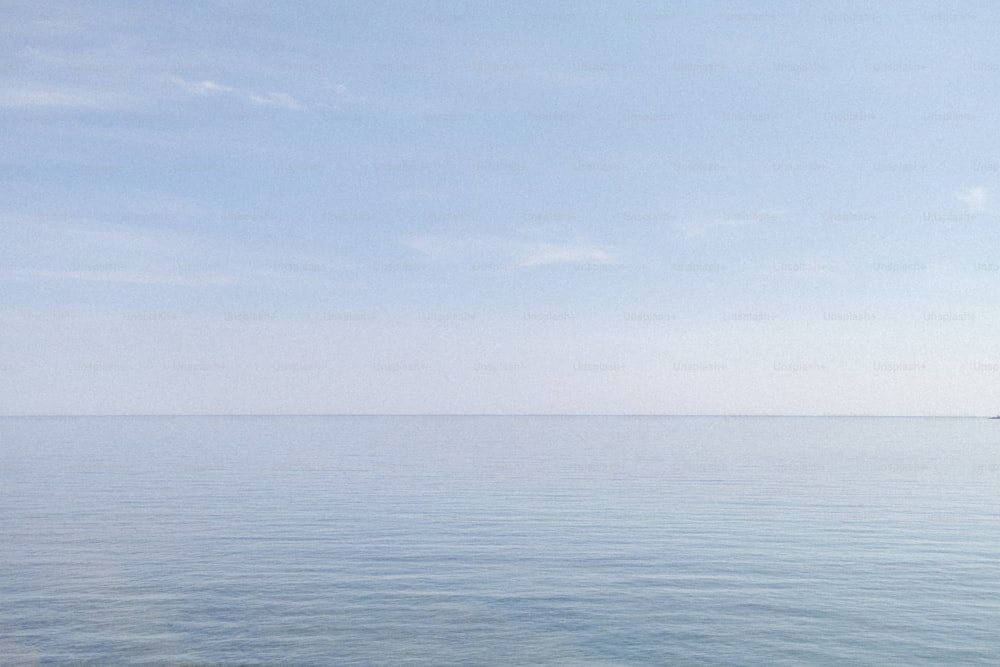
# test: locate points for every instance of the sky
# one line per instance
(389, 207)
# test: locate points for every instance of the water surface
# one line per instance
(499, 541)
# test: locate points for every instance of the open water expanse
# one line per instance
(499, 541)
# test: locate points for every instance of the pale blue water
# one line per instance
(499, 541)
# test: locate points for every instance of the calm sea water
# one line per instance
(499, 541)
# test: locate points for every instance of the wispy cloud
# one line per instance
(208, 88)
(344, 94)
(541, 254)
(977, 198)
(509, 253)
(697, 227)
(116, 69)
(280, 100)
(204, 88)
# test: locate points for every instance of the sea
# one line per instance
(499, 540)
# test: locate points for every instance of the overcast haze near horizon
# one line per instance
(389, 207)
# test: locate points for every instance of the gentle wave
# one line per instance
(479, 540)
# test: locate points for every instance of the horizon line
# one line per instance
(495, 414)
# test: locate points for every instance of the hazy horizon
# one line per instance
(494, 414)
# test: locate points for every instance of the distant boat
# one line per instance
(997, 417)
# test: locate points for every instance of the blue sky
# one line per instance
(429, 207)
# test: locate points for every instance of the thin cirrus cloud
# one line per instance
(207, 88)
(977, 198)
(512, 254)
(698, 227)
(127, 65)
(34, 97)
